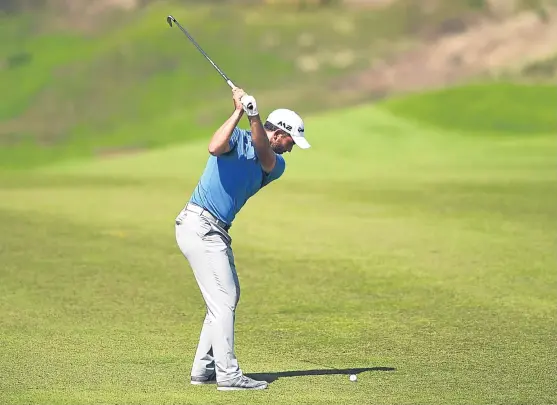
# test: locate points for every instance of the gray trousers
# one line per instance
(207, 248)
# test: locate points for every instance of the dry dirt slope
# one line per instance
(488, 47)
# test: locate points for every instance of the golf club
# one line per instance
(170, 19)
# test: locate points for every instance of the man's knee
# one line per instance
(224, 314)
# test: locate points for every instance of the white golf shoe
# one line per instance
(242, 383)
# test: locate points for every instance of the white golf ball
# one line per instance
(353, 377)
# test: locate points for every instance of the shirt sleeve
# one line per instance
(277, 171)
(234, 138)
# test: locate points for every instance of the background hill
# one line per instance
(85, 78)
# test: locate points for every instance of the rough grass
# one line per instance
(546, 68)
(419, 259)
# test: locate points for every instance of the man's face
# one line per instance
(281, 142)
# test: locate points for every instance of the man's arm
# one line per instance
(261, 144)
(220, 142)
(265, 153)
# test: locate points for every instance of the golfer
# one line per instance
(241, 163)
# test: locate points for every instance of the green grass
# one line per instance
(485, 108)
(425, 256)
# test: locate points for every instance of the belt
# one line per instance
(207, 214)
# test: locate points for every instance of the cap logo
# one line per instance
(285, 125)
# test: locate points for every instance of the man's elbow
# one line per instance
(217, 150)
(213, 150)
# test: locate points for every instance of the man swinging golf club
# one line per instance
(241, 162)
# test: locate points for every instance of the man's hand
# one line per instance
(250, 105)
(244, 102)
(237, 94)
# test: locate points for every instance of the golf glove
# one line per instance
(250, 105)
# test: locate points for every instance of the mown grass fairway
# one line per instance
(426, 256)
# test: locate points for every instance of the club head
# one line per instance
(169, 20)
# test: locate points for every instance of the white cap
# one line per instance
(291, 123)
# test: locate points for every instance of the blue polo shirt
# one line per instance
(230, 179)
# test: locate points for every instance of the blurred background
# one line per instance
(82, 78)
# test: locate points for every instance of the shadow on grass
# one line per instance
(273, 376)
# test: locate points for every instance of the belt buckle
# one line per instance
(207, 214)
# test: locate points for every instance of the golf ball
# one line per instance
(353, 377)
